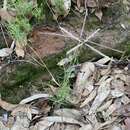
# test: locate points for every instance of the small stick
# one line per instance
(92, 42)
(76, 47)
(84, 42)
(86, 14)
(97, 51)
(70, 34)
(103, 46)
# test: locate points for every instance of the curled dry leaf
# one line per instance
(5, 52)
(99, 14)
(34, 97)
(102, 94)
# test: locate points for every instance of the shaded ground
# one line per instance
(21, 74)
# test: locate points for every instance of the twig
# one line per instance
(92, 35)
(53, 34)
(86, 14)
(95, 50)
(76, 47)
(70, 34)
(92, 42)
(43, 65)
(103, 46)
(83, 42)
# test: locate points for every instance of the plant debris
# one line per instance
(103, 103)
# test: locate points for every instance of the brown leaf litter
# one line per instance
(94, 5)
(103, 102)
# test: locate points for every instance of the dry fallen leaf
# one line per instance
(22, 123)
(125, 100)
(115, 128)
(25, 109)
(72, 113)
(5, 52)
(102, 94)
(103, 60)
(105, 106)
(118, 84)
(107, 123)
(42, 125)
(116, 93)
(99, 14)
(113, 107)
(34, 97)
(61, 119)
(86, 127)
(92, 3)
(83, 78)
(19, 49)
(89, 98)
(127, 123)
